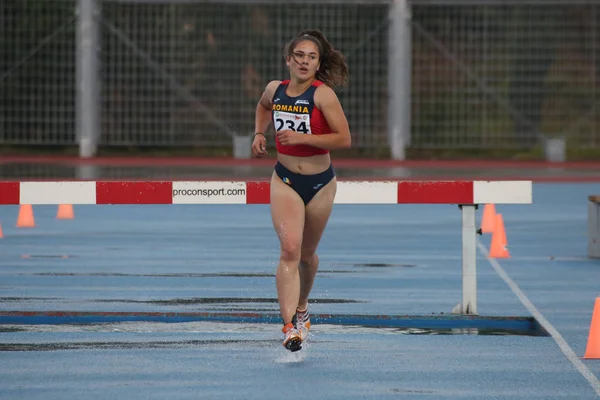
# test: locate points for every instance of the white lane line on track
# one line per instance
(560, 341)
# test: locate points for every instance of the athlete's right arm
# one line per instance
(263, 119)
(263, 108)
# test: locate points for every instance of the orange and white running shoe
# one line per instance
(303, 323)
(292, 340)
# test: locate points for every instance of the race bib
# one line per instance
(295, 122)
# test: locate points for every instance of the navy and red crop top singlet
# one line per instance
(298, 114)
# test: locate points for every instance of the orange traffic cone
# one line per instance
(593, 344)
(499, 249)
(488, 219)
(65, 211)
(25, 218)
(1, 233)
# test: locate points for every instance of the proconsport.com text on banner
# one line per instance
(209, 192)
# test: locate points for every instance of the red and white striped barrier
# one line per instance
(467, 194)
(232, 192)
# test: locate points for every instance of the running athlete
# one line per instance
(309, 122)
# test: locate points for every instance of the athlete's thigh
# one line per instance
(287, 212)
(317, 214)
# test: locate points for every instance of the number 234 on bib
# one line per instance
(295, 122)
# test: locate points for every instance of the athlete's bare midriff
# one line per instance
(305, 165)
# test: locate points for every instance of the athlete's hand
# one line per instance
(288, 137)
(259, 146)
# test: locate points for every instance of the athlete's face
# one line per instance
(304, 61)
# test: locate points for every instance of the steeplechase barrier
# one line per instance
(467, 195)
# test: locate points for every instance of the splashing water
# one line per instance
(287, 357)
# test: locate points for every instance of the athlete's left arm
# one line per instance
(327, 101)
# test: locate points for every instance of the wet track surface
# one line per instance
(400, 263)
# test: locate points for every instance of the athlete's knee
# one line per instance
(309, 257)
(290, 251)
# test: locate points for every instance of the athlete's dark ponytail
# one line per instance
(333, 70)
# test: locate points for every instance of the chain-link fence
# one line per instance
(37, 72)
(503, 76)
(190, 73)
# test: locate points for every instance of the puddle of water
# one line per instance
(119, 345)
(181, 275)
(221, 300)
(467, 331)
(383, 265)
(176, 321)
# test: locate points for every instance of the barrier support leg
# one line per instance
(469, 263)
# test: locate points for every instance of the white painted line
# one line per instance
(58, 193)
(502, 192)
(366, 193)
(562, 344)
(209, 192)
